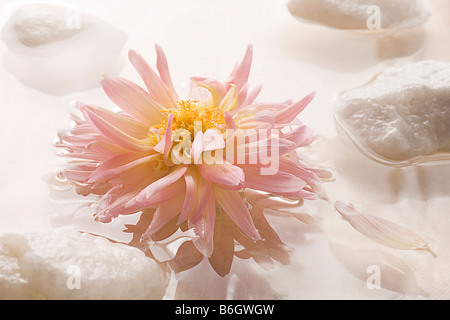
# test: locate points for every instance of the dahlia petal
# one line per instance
(75, 118)
(301, 136)
(243, 71)
(264, 150)
(224, 174)
(77, 175)
(251, 110)
(83, 140)
(215, 87)
(126, 124)
(163, 69)
(229, 121)
(158, 90)
(82, 129)
(249, 99)
(241, 96)
(263, 119)
(159, 186)
(288, 114)
(265, 116)
(281, 183)
(139, 176)
(324, 174)
(117, 165)
(115, 135)
(208, 141)
(293, 156)
(232, 76)
(293, 168)
(106, 149)
(203, 189)
(197, 148)
(382, 231)
(212, 140)
(166, 142)
(190, 178)
(204, 228)
(157, 194)
(101, 207)
(82, 155)
(112, 204)
(165, 212)
(233, 205)
(230, 100)
(133, 99)
(307, 195)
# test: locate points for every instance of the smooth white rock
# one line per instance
(403, 113)
(60, 49)
(354, 14)
(68, 265)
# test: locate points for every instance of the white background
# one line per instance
(291, 59)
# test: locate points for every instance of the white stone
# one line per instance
(59, 49)
(68, 265)
(360, 14)
(403, 113)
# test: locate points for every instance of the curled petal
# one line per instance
(230, 100)
(215, 87)
(382, 231)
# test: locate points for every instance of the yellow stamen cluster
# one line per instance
(190, 112)
(189, 115)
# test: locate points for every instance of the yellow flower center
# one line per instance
(191, 116)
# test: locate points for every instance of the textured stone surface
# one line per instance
(71, 265)
(403, 113)
(354, 14)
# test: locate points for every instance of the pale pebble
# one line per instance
(59, 49)
(360, 14)
(403, 113)
(68, 265)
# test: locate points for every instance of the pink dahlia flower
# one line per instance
(188, 160)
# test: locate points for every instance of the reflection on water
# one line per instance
(229, 241)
